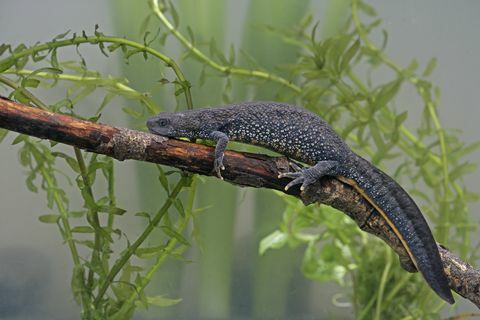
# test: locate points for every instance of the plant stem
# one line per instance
(219, 67)
(162, 256)
(106, 39)
(111, 193)
(69, 239)
(25, 92)
(410, 136)
(383, 284)
(115, 84)
(131, 249)
(67, 233)
(93, 218)
(429, 104)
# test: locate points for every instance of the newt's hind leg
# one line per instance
(307, 176)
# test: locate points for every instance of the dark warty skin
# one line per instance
(305, 137)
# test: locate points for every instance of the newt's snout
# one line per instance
(151, 123)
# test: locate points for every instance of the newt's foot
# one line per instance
(218, 166)
(307, 176)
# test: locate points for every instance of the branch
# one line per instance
(244, 169)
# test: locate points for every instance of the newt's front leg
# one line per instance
(222, 141)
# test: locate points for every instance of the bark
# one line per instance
(242, 168)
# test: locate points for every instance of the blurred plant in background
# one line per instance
(284, 55)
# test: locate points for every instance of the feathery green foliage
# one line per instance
(331, 76)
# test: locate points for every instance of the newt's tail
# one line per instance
(406, 220)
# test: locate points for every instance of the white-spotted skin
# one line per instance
(294, 132)
(286, 129)
(304, 136)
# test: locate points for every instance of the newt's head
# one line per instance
(188, 124)
(169, 124)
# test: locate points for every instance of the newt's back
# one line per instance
(289, 130)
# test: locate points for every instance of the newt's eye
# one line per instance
(163, 122)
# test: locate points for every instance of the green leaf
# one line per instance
(86, 91)
(202, 78)
(149, 252)
(25, 156)
(21, 47)
(410, 69)
(95, 117)
(54, 59)
(462, 152)
(325, 266)
(179, 206)
(164, 81)
(174, 234)
(77, 283)
(306, 21)
(145, 37)
(335, 47)
(76, 214)
(386, 93)
(3, 134)
(19, 138)
(87, 243)
(30, 83)
(349, 54)
(231, 56)
(144, 25)
(162, 301)
(163, 178)
(46, 70)
(349, 128)
(174, 13)
(21, 62)
(70, 161)
(36, 57)
(141, 300)
(179, 91)
(118, 211)
(191, 35)
(461, 170)
(114, 46)
(49, 218)
(30, 185)
(143, 214)
(133, 113)
(60, 36)
(4, 47)
(83, 229)
(367, 9)
(96, 32)
(87, 197)
(274, 240)
(430, 67)
(106, 100)
(20, 96)
(123, 290)
(385, 39)
(399, 119)
(377, 137)
(6, 64)
(215, 52)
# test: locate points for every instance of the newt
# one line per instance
(304, 136)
